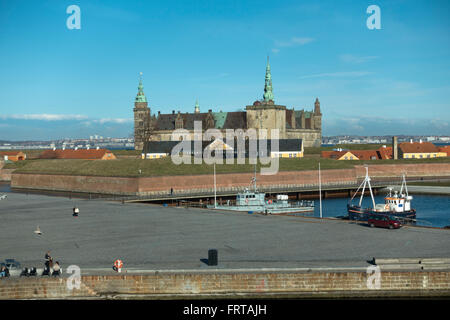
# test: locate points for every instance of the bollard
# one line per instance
(212, 257)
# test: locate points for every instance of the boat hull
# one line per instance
(264, 209)
(363, 214)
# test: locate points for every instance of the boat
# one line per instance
(253, 201)
(396, 205)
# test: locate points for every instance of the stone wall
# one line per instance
(226, 282)
(107, 185)
(225, 182)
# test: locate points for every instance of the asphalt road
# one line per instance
(152, 237)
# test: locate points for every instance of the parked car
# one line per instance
(383, 221)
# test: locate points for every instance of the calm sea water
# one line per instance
(432, 210)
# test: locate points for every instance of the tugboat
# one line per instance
(255, 202)
(397, 205)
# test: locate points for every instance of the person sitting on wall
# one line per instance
(3, 272)
(56, 269)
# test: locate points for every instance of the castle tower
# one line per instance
(317, 107)
(141, 116)
(268, 94)
(197, 107)
(266, 114)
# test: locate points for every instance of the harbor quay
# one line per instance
(153, 239)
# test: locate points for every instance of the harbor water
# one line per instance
(431, 210)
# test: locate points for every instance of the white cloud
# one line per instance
(294, 41)
(111, 120)
(337, 74)
(350, 58)
(44, 116)
(65, 117)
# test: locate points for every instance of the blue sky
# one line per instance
(56, 82)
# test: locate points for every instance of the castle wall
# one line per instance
(272, 117)
(311, 138)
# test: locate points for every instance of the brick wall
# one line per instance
(244, 179)
(5, 174)
(108, 185)
(411, 170)
(147, 185)
(227, 282)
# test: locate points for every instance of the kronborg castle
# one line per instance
(262, 114)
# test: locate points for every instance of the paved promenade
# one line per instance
(150, 237)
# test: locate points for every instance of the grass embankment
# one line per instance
(431, 183)
(165, 166)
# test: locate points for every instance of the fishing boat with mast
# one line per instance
(395, 205)
(255, 201)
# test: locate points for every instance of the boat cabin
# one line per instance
(250, 199)
(398, 203)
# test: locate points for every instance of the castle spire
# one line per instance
(140, 97)
(268, 94)
(197, 107)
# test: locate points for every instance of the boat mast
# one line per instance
(403, 184)
(215, 192)
(367, 181)
(370, 188)
(320, 194)
(254, 179)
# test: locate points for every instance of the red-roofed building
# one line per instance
(356, 154)
(419, 150)
(339, 155)
(13, 155)
(385, 153)
(445, 149)
(84, 154)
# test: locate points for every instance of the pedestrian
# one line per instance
(171, 191)
(76, 211)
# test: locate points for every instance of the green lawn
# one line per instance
(165, 166)
(431, 183)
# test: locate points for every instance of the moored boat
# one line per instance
(255, 201)
(395, 205)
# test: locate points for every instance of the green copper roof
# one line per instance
(140, 97)
(268, 94)
(220, 118)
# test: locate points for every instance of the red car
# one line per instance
(383, 221)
